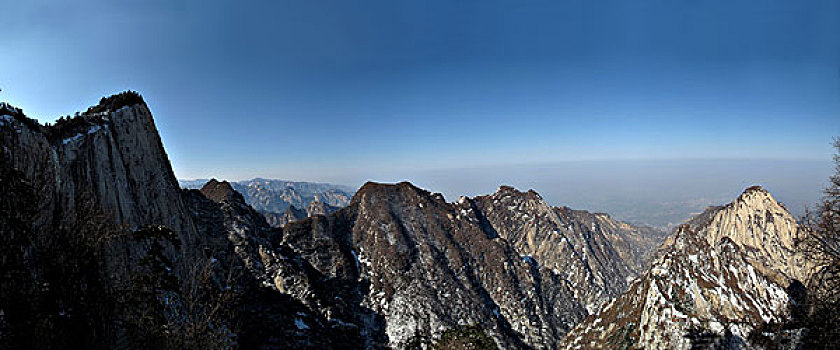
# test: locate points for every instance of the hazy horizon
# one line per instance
(653, 192)
(457, 97)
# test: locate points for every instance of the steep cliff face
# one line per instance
(111, 155)
(246, 229)
(110, 159)
(279, 220)
(718, 278)
(316, 207)
(99, 242)
(414, 268)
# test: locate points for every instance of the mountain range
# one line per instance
(106, 249)
(283, 201)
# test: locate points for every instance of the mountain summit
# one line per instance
(218, 191)
(760, 225)
(719, 278)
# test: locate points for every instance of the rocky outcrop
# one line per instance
(282, 202)
(294, 214)
(111, 236)
(278, 220)
(720, 277)
(316, 207)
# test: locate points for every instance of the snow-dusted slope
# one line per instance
(594, 252)
(428, 266)
(717, 279)
(757, 221)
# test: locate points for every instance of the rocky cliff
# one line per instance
(595, 253)
(111, 155)
(430, 266)
(285, 303)
(719, 278)
(756, 221)
(109, 235)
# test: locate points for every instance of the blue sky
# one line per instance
(388, 90)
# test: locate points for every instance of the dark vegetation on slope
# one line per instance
(815, 311)
(17, 113)
(70, 277)
(94, 284)
(461, 338)
(112, 103)
(822, 246)
(67, 126)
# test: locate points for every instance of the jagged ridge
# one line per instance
(718, 278)
(433, 265)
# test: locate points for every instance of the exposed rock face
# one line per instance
(112, 155)
(757, 221)
(243, 226)
(596, 254)
(718, 278)
(292, 214)
(105, 195)
(278, 220)
(221, 191)
(429, 266)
